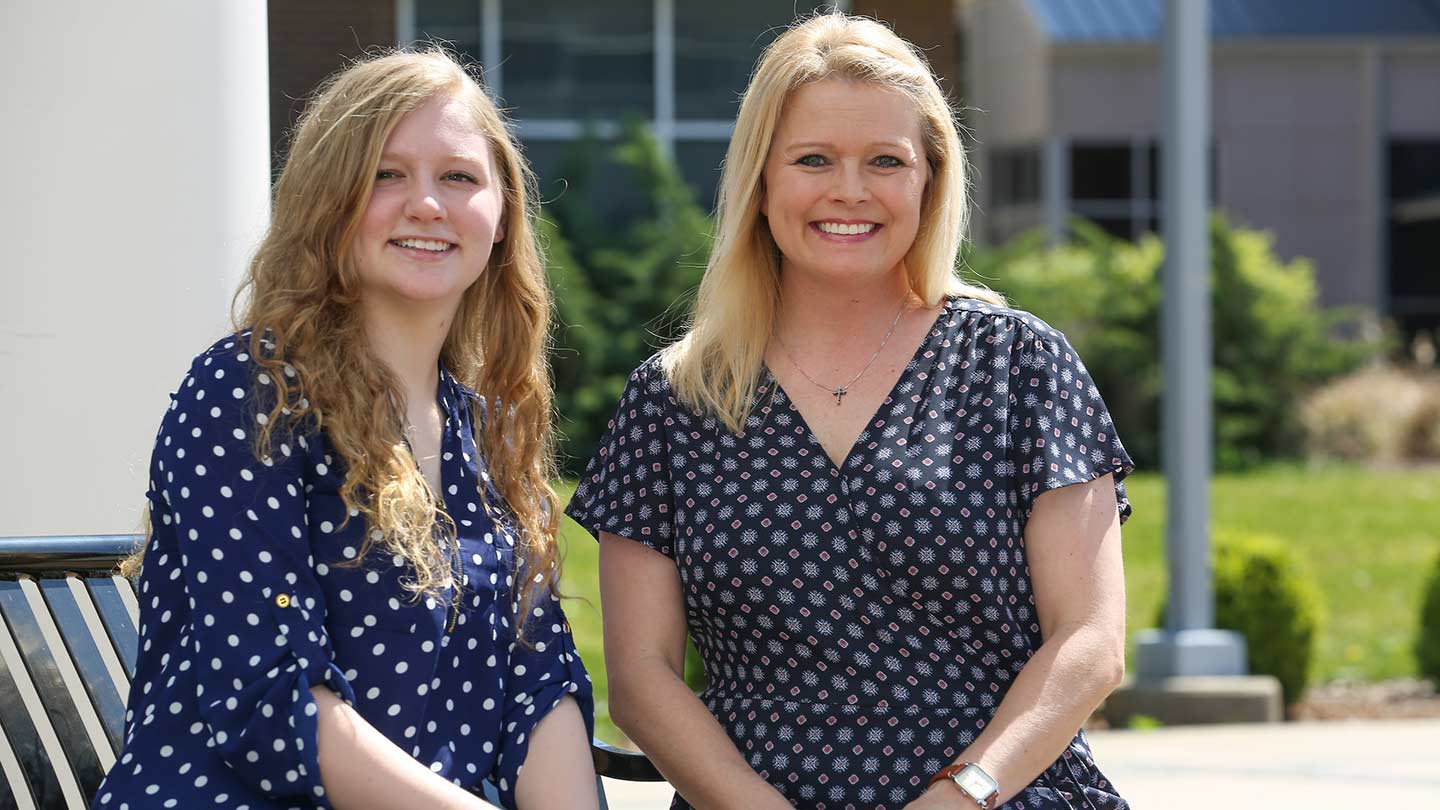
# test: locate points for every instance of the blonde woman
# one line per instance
(886, 507)
(348, 589)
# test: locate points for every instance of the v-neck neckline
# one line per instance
(838, 467)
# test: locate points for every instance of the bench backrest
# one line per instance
(68, 644)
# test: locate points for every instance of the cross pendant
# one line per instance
(839, 394)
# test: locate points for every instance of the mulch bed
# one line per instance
(1406, 698)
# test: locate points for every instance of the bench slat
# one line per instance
(51, 693)
(95, 677)
(11, 799)
(117, 618)
(27, 723)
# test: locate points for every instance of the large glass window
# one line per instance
(563, 59)
(1013, 178)
(567, 68)
(1116, 185)
(454, 22)
(1414, 244)
(717, 45)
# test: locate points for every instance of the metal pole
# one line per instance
(1189, 645)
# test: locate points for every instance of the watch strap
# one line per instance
(953, 770)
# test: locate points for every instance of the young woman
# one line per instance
(348, 590)
(885, 506)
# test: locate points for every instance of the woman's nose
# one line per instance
(423, 202)
(850, 185)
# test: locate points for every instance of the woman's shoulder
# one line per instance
(985, 317)
(227, 372)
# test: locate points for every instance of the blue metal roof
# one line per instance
(1079, 21)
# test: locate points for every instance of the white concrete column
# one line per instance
(137, 186)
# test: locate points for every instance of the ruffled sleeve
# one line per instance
(543, 669)
(258, 640)
(1059, 428)
(626, 489)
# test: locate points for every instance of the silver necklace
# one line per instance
(840, 392)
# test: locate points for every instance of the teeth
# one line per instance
(846, 230)
(423, 244)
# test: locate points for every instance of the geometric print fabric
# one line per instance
(860, 623)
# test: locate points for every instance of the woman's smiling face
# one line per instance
(844, 180)
(435, 213)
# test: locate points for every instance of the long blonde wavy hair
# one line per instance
(300, 299)
(716, 366)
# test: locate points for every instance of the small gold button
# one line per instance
(283, 600)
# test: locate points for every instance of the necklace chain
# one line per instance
(840, 392)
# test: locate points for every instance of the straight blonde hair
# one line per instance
(715, 367)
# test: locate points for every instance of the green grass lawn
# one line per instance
(1369, 537)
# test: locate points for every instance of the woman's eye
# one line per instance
(889, 162)
(461, 176)
(386, 174)
(812, 161)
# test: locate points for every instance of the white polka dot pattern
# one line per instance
(860, 623)
(250, 595)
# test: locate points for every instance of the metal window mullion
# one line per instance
(664, 124)
(1055, 186)
(490, 55)
(405, 22)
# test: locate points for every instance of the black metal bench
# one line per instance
(68, 644)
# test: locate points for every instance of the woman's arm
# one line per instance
(558, 773)
(362, 770)
(1072, 541)
(645, 658)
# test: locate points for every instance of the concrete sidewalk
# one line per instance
(1285, 766)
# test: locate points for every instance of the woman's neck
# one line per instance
(409, 343)
(822, 314)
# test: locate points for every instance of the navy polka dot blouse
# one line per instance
(860, 623)
(249, 598)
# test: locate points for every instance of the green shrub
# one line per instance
(1273, 343)
(1427, 647)
(622, 279)
(1265, 592)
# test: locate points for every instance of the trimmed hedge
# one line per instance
(1427, 644)
(1265, 592)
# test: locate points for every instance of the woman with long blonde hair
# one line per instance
(885, 506)
(348, 590)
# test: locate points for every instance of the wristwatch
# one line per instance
(973, 781)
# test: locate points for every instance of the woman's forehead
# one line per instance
(836, 110)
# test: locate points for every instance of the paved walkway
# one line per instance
(1286, 766)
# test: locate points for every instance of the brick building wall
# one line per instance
(309, 40)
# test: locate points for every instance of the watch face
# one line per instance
(976, 782)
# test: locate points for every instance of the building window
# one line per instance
(565, 69)
(1116, 185)
(562, 59)
(1414, 243)
(1014, 183)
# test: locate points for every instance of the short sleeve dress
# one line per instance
(860, 623)
(250, 596)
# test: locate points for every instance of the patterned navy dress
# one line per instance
(860, 624)
(246, 602)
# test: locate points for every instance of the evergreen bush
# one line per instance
(1265, 592)
(1427, 646)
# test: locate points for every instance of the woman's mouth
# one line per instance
(845, 231)
(424, 247)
